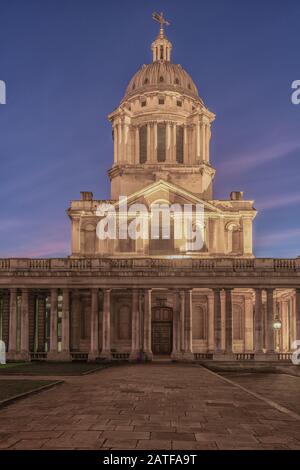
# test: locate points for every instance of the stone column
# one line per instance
(185, 145)
(53, 325)
(126, 143)
(65, 325)
(174, 143)
(75, 235)
(297, 312)
(176, 337)
(203, 141)
(135, 326)
(211, 326)
(249, 324)
(147, 325)
(75, 321)
(168, 143)
(12, 343)
(137, 145)
(258, 322)
(217, 321)
(115, 144)
(269, 322)
(198, 141)
(25, 354)
(228, 321)
(285, 333)
(247, 234)
(94, 346)
(207, 142)
(149, 153)
(106, 352)
(155, 142)
(188, 349)
(120, 143)
(181, 320)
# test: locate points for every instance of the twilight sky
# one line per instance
(66, 64)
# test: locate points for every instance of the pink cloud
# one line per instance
(43, 250)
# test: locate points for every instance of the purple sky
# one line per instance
(66, 64)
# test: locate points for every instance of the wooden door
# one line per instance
(162, 330)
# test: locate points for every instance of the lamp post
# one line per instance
(277, 325)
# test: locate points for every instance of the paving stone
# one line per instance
(181, 406)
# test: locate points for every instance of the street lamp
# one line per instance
(277, 325)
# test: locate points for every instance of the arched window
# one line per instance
(199, 322)
(143, 144)
(176, 81)
(161, 142)
(238, 322)
(179, 144)
(161, 78)
(146, 81)
(124, 322)
(161, 52)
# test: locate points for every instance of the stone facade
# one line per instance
(138, 299)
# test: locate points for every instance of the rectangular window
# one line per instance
(161, 101)
(143, 144)
(179, 144)
(143, 104)
(179, 103)
(161, 142)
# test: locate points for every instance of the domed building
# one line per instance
(136, 285)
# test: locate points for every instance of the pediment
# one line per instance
(164, 191)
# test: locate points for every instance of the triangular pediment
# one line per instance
(164, 191)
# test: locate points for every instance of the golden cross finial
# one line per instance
(161, 20)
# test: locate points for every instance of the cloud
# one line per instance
(277, 237)
(279, 201)
(242, 163)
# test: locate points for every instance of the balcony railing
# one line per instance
(189, 264)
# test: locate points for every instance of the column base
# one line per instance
(148, 355)
(176, 356)
(14, 356)
(136, 356)
(105, 355)
(187, 356)
(63, 356)
(223, 356)
(93, 355)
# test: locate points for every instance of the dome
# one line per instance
(162, 75)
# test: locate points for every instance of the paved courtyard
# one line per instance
(155, 406)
